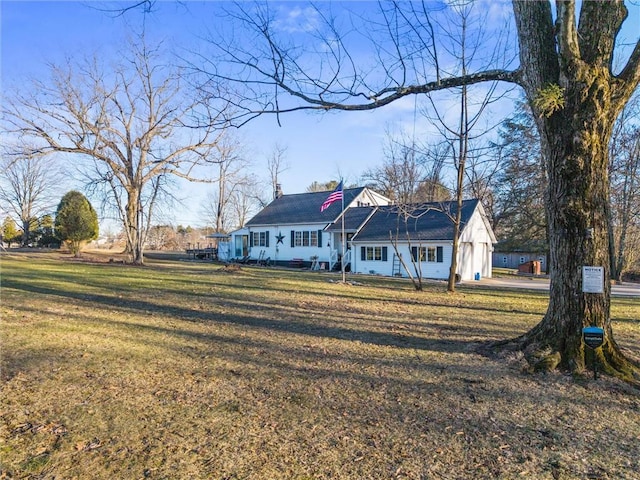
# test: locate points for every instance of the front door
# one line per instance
(241, 245)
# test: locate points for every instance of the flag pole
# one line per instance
(344, 238)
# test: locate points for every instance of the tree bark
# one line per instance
(133, 227)
(575, 147)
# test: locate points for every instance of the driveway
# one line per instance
(624, 290)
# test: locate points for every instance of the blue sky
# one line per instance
(320, 147)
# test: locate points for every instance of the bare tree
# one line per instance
(482, 176)
(465, 37)
(566, 72)
(133, 123)
(625, 191)
(410, 176)
(162, 237)
(322, 186)
(277, 164)
(29, 186)
(403, 173)
(433, 189)
(232, 172)
(245, 201)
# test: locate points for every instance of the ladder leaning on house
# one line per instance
(395, 268)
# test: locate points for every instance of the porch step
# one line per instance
(338, 267)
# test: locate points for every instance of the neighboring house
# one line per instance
(291, 229)
(426, 236)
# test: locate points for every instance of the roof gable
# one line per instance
(301, 208)
(354, 217)
(426, 222)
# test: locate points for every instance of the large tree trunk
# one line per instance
(26, 232)
(575, 133)
(134, 228)
(578, 225)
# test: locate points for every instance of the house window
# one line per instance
(418, 254)
(374, 254)
(435, 254)
(429, 254)
(305, 238)
(259, 239)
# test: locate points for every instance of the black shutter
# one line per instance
(251, 239)
(363, 253)
(414, 253)
(384, 254)
(293, 239)
(266, 240)
(320, 238)
(439, 255)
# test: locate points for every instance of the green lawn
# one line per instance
(184, 370)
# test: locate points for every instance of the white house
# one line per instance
(424, 234)
(292, 230)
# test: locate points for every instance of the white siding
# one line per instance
(280, 252)
(476, 246)
(438, 270)
(374, 267)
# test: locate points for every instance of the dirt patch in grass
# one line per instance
(180, 370)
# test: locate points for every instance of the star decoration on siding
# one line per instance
(279, 238)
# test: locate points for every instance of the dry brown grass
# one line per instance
(185, 370)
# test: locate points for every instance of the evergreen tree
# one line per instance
(520, 222)
(76, 221)
(46, 232)
(10, 232)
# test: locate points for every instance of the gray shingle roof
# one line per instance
(428, 222)
(301, 208)
(353, 218)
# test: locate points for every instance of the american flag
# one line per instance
(333, 197)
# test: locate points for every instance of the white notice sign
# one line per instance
(593, 279)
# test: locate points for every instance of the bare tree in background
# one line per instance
(29, 187)
(482, 173)
(132, 124)
(402, 173)
(231, 174)
(566, 57)
(433, 189)
(277, 164)
(465, 38)
(624, 234)
(323, 186)
(246, 201)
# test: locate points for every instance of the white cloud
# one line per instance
(297, 19)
